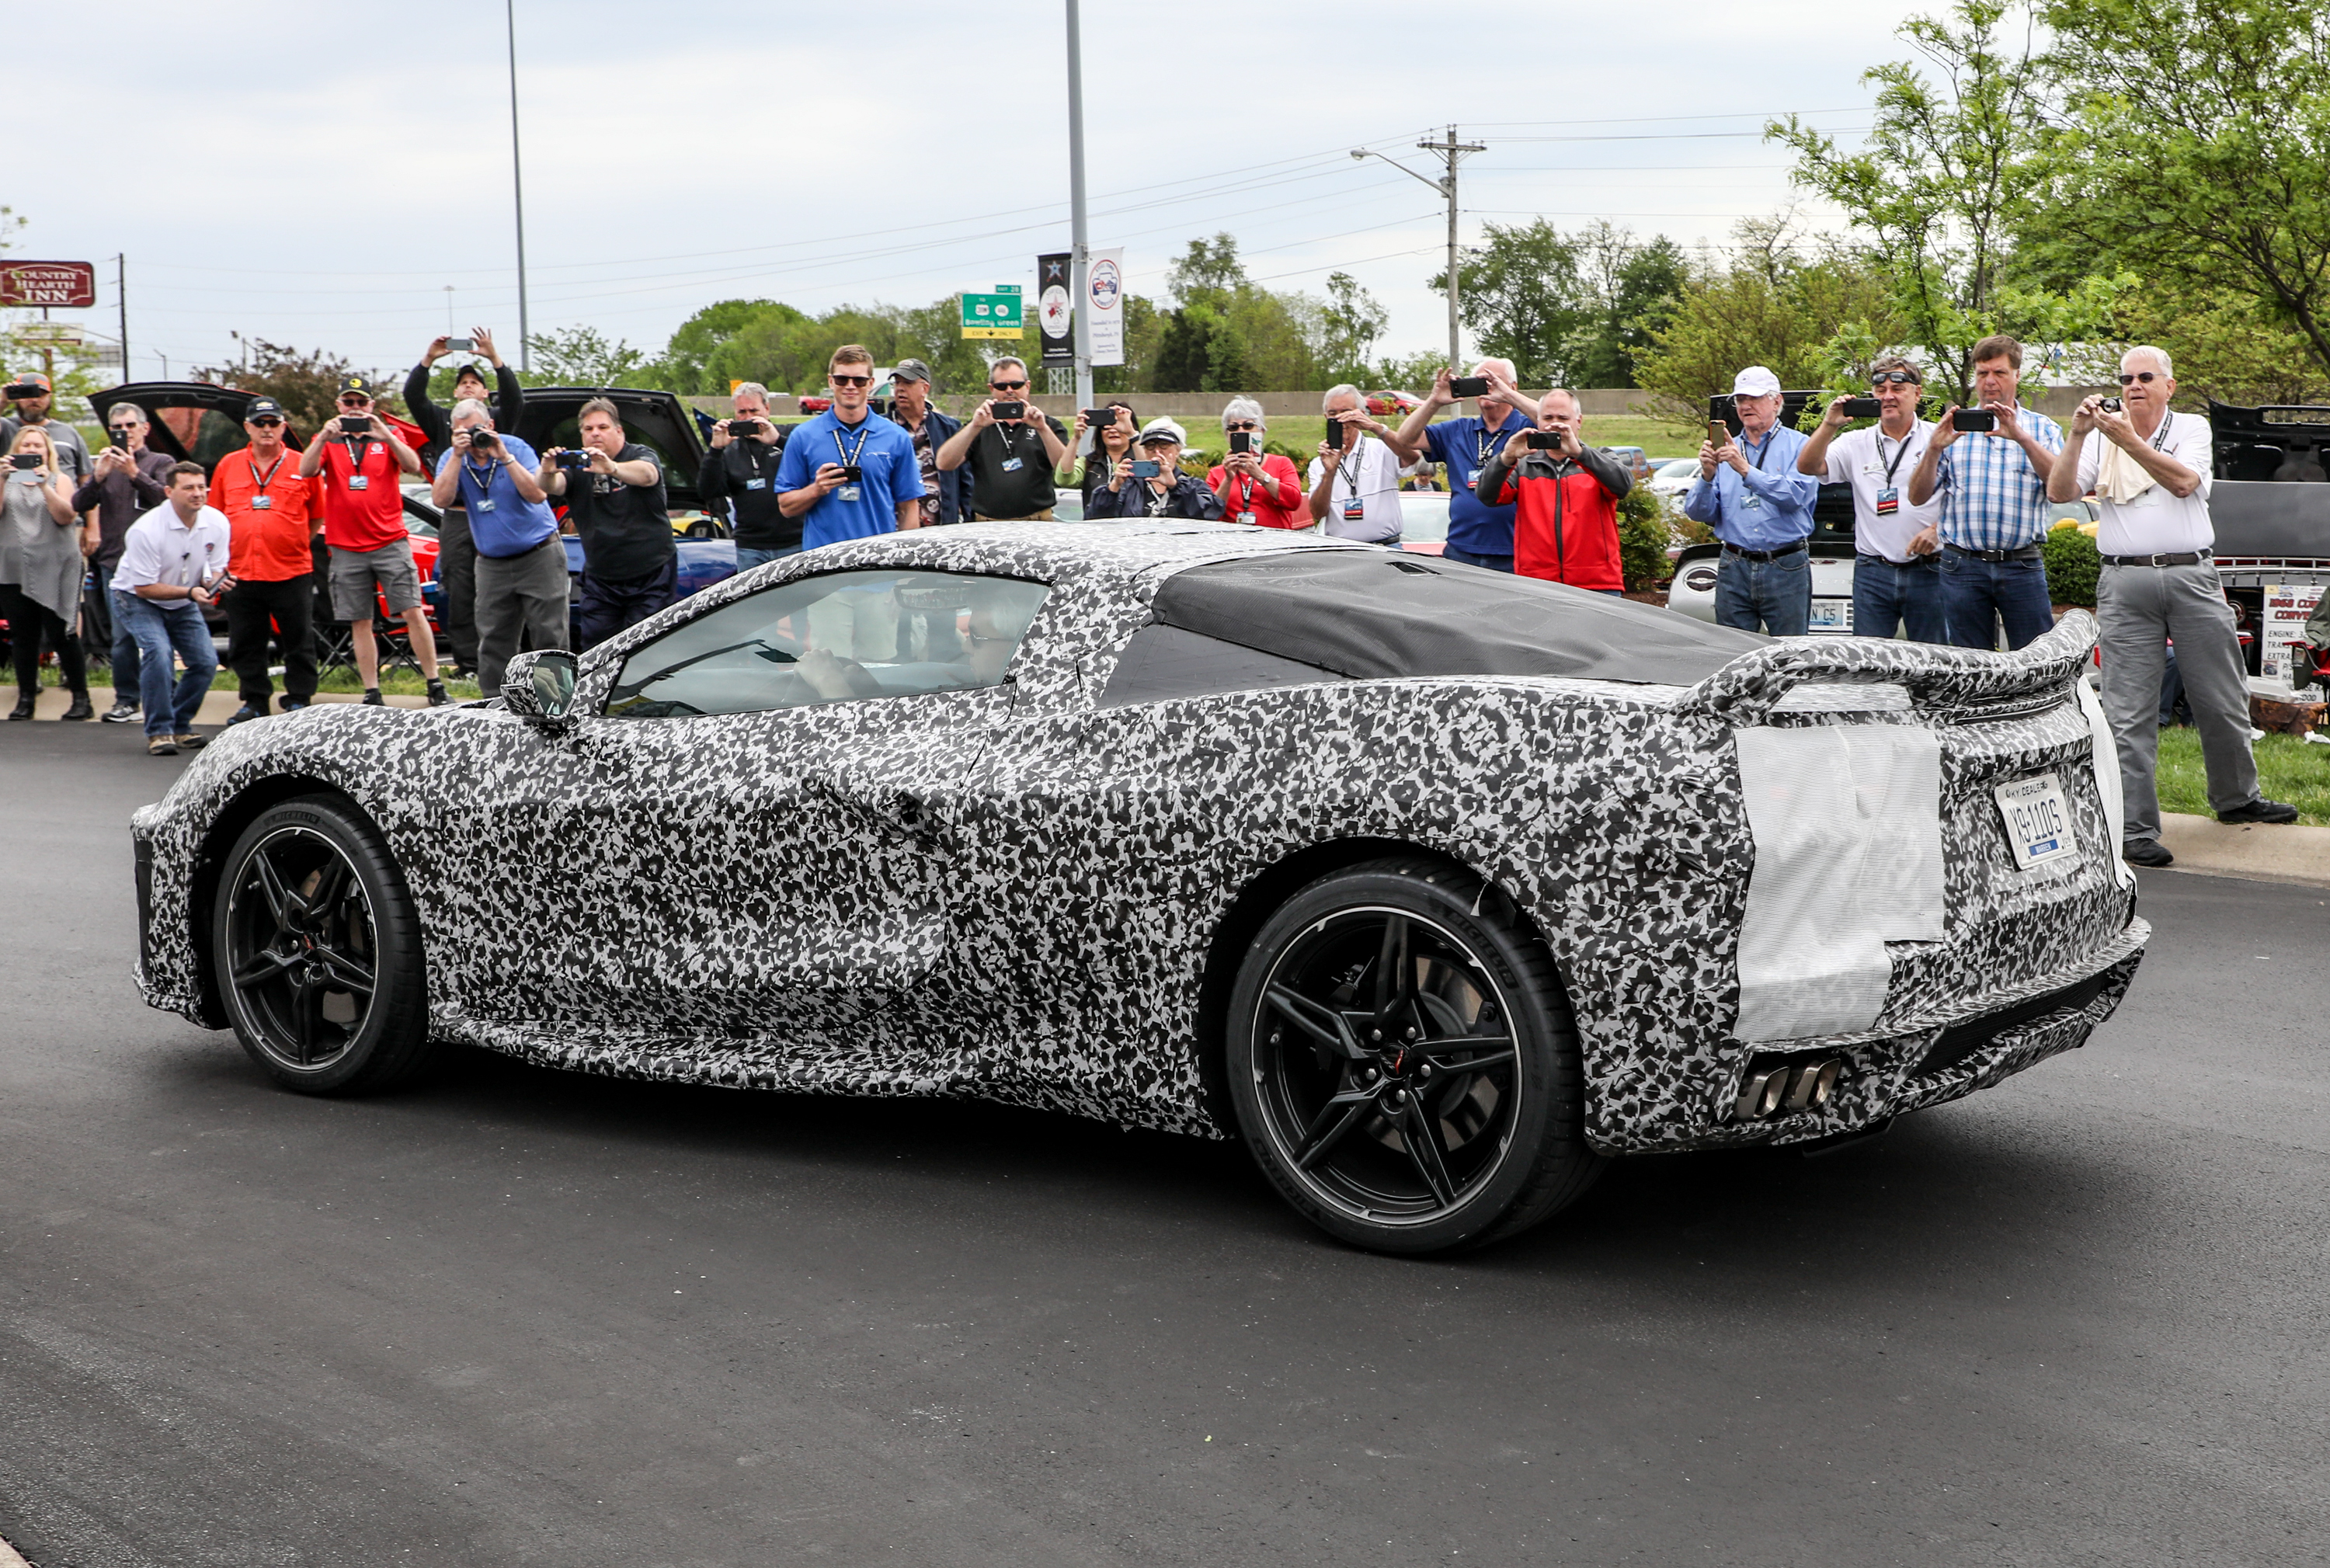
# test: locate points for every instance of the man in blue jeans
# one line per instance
(1761, 509)
(1478, 535)
(174, 564)
(1993, 489)
(1896, 580)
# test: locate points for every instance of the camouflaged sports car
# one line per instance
(1437, 887)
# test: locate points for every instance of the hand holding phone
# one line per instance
(1144, 469)
(1011, 411)
(1545, 440)
(1469, 386)
(1974, 419)
(1862, 408)
(1335, 429)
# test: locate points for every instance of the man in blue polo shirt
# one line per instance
(1478, 535)
(1750, 493)
(521, 568)
(850, 473)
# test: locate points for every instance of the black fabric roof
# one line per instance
(1367, 614)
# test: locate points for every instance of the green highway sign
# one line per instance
(993, 315)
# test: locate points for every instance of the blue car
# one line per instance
(702, 563)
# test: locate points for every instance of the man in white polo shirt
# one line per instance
(1896, 579)
(1355, 484)
(2150, 473)
(174, 562)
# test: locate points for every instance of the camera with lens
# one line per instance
(573, 462)
(2112, 405)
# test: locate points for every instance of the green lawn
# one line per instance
(2289, 768)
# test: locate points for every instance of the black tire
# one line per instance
(310, 911)
(1331, 1066)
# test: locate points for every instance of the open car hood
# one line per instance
(658, 420)
(204, 421)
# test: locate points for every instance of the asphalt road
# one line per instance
(517, 1317)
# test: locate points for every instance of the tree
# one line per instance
(1937, 188)
(2190, 143)
(1206, 267)
(684, 364)
(1520, 297)
(1226, 334)
(1632, 289)
(1350, 321)
(305, 382)
(581, 356)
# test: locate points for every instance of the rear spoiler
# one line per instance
(1951, 682)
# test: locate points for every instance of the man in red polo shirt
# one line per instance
(360, 462)
(274, 515)
(1566, 499)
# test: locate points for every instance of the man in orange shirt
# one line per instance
(273, 512)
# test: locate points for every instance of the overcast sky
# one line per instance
(296, 173)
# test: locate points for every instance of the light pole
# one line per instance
(517, 189)
(1451, 152)
(1079, 279)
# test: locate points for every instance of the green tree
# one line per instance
(685, 366)
(581, 356)
(2192, 144)
(1351, 321)
(1520, 296)
(1206, 267)
(305, 382)
(1633, 290)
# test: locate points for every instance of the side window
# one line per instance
(842, 636)
(1166, 661)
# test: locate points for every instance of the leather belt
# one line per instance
(2183, 558)
(1931, 558)
(1762, 554)
(2024, 552)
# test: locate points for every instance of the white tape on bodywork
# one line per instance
(1848, 827)
(2104, 758)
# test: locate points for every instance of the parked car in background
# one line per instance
(1383, 403)
(1673, 477)
(1634, 460)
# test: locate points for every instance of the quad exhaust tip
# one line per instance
(1794, 1085)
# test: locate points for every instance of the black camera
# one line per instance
(24, 459)
(1334, 433)
(1009, 410)
(355, 424)
(738, 428)
(1545, 440)
(23, 389)
(1974, 419)
(573, 462)
(1862, 408)
(2112, 405)
(1469, 386)
(481, 438)
(1097, 419)
(117, 438)
(1241, 441)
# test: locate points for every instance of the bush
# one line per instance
(1642, 540)
(2072, 566)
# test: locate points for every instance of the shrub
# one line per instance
(2072, 566)
(1642, 540)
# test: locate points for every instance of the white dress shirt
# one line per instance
(160, 548)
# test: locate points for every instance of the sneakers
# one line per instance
(192, 742)
(290, 704)
(2146, 851)
(161, 746)
(2259, 810)
(372, 698)
(25, 700)
(437, 697)
(120, 714)
(245, 713)
(79, 709)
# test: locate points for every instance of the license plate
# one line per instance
(2038, 822)
(1831, 615)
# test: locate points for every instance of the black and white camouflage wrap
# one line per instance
(1010, 894)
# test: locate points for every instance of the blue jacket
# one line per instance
(1189, 497)
(954, 484)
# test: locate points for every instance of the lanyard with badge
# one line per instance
(356, 445)
(1748, 500)
(851, 491)
(1355, 505)
(261, 501)
(1009, 434)
(481, 480)
(1889, 499)
(1484, 443)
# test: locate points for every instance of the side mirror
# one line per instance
(540, 686)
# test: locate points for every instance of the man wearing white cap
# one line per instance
(1750, 493)
(1149, 482)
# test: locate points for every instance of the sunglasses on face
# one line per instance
(123, 430)
(266, 422)
(356, 402)
(839, 380)
(1242, 425)
(1899, 377)
(2129, 378)
(1007, 385)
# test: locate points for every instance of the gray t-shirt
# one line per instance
(73, 452)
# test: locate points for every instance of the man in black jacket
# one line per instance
(946, 492)
(746, 449)
(1134, 490)
(130, 479)
(457, 557)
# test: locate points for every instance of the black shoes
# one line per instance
(244, 713)
(2259, 810)
(372, 698)
(437, 697)
(25, 700)
(291, 704)
(2146, 851)
(79, 709)
(120, 714)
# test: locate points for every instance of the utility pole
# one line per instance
(1451, 152)
(121, 293)
(1079, 263)
(517, 189)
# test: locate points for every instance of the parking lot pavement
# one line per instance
(519, 1317)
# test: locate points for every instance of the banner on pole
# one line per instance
(1104, 291)
(1054, 314)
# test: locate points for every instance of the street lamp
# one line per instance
(1451, 152)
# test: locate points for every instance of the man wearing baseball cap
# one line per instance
(273, 514)
(1167, 493)
(32, 396)
(946, 492)
(1750, 493)
(740, 468)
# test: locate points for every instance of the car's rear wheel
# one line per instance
(1404, 1063)
(318, 952)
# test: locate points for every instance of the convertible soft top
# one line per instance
(1366, 615)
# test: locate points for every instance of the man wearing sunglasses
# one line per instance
(2150, 475)
(848, 473)
(126, 481)
(274, 517)
(360, 463)
(1011, 459)
(1993, 488)
(1896, 584)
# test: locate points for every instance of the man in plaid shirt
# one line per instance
(1993, 490)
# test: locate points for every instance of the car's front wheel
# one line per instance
(1403, 1062)
(318, 952)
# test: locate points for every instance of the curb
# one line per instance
(2248, 851)
(216, 709)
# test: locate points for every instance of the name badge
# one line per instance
(486, 505)
(1751, 501)
(847, 492)
(1244, 517)
(262, 503)
(1355, 507)
(359, 482)
(1472, 481)
(1888, 501)
(1012, 465)
(756, 484)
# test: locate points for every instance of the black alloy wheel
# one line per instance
(1404, 1063)
(317, 951)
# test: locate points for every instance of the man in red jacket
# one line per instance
(1566, 499)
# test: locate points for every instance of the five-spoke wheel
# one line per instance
(1403, 1063)
(316, 952)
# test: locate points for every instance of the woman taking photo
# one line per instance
(1076, 473)
(40, 569)
(1256, 488)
